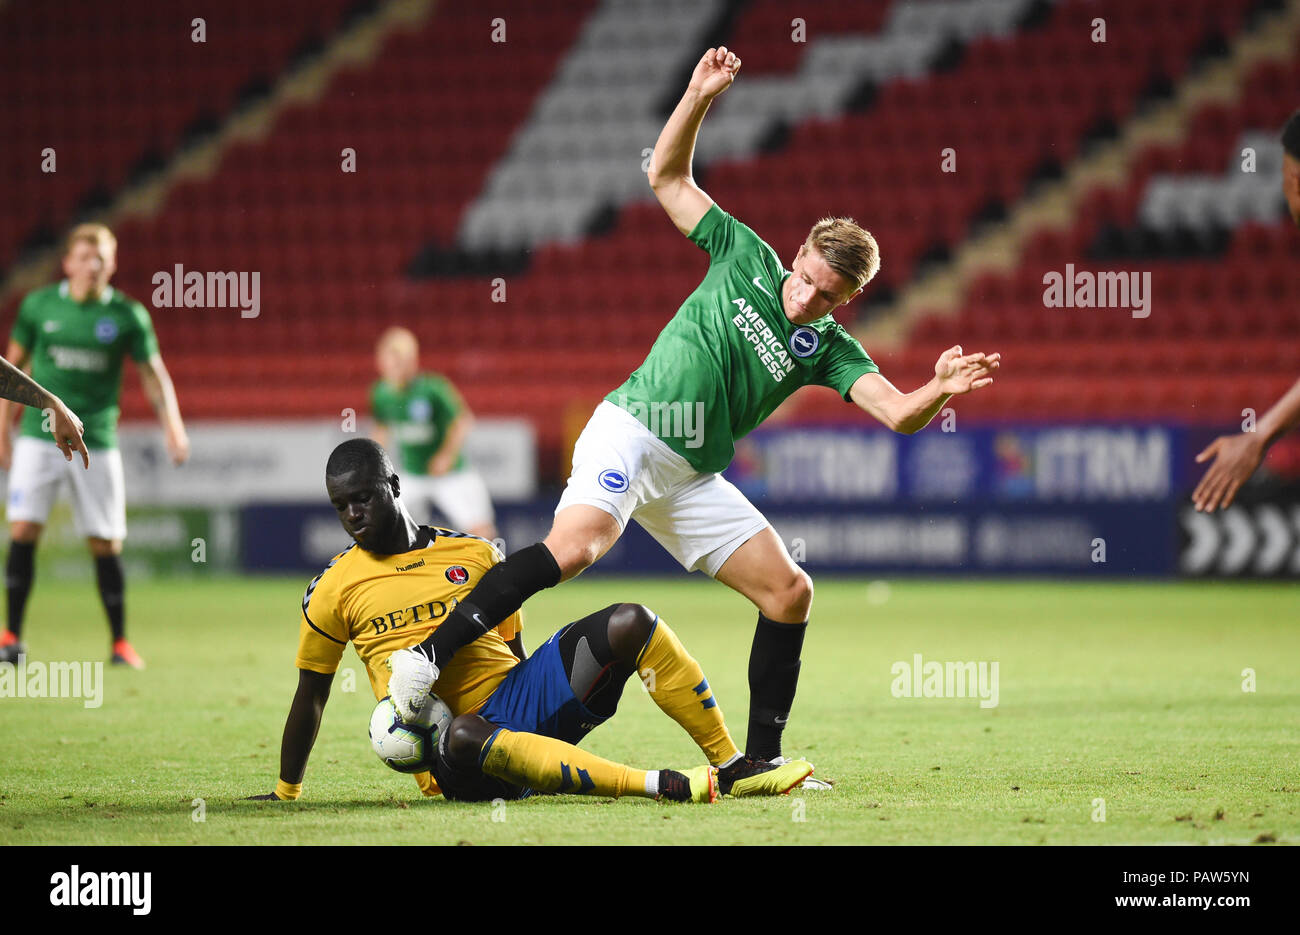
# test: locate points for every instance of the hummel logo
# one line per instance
(757, 281)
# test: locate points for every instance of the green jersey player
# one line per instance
(750, 335)
(422, 419)
(75, 335)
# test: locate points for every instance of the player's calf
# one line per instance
(551, 766)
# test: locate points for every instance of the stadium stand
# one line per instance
(126, 96)
(1221, 336)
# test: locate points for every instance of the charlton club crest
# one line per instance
(457, 574)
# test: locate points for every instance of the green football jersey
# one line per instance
(729, 356)
(76, 352)
(419, 416)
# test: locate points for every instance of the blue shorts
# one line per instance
(536, 698)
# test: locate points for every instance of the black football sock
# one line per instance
(112, 591)
(20, 569)
(501, 592)
(773, 678)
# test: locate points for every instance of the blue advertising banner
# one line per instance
(1076, 463)
(294, 537)
(1099, 539)
(1098, 499)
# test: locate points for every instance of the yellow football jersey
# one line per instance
(382, 603)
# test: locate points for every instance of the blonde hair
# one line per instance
(401, 337)
(97, 234)
(847, 248)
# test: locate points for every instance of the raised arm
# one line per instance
(1237, 456)
(300, 733)
(670, 165)
(954, 375)
(158, 388)
(17, 386)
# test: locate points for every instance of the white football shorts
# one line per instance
(98, 494)
(619, 466)
(461, 496)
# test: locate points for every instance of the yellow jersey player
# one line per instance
(517, 720)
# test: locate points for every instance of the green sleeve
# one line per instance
(377, 405)
(843, 362)
(723, 237)
(24, 331)
(144, 343)
(726, 239)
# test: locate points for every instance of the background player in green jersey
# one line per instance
(422, 420)
(74, 336)
(741, 343)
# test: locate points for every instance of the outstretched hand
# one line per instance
(715, 72)
(960, 374)
(67, 431)
(1235, 459)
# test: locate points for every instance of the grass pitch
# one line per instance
(1122, 701)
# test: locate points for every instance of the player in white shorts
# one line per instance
(40, 471)
(424, 422)
(623, 469)
(75, 335)
(749, 336)
(461, 496)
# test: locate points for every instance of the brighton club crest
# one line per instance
(804, 342)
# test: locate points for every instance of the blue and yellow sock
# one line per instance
(549, 765)
(677, 684)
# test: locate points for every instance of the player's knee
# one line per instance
(630, 626)
(793, 600)
(27, 533)
(465, 738)
(572, 555)
(104, 548)
(579, 536)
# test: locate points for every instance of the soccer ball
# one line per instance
(408, 748)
